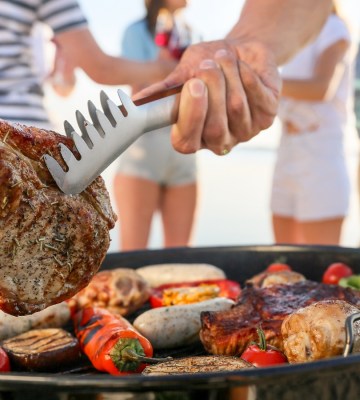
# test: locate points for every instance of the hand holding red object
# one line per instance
(335, 272)
(224, 288)
(261, 354)
(111, 343)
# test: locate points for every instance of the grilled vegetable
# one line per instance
(352, 281)
(193, 365)
(193, 292)
(4, 361)
(278, 266)
(160, 274)
(335, 272)
(111, 343)
(262, 355)
(42, 349)
(121, 291)
(174, 326)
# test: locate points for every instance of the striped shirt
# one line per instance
(21, 96)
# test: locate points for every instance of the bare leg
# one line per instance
(286, 230)
(177, 207)
(325, 232)
(137, 200)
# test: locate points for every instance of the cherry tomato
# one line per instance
(261, 354)
(277, 266)
(262, 358)
(335, 272)
(4, 361)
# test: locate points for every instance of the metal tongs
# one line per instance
(109, 135)
(350, 333)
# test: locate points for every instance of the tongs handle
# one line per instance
(350, 334)
(159, 95)
(159, 109)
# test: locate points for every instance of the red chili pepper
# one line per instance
(111, 343)
(227, 288)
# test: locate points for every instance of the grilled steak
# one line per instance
(51, 244)
(229, 332)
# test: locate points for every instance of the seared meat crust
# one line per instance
(230, 332)
(51, 244)
(318, 331)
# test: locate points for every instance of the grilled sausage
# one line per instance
(160, 274)
(54, 316)
(169, 327)
(42, 349)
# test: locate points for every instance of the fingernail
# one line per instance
(208, 64)
(221, 53)
(197, 87)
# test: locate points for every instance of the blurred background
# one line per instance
(234, 190)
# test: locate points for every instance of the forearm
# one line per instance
(80, 47)
(283, 26)
(119, 71)
(306, 90)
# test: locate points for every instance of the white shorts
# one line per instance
(310, 179)
(153, 157)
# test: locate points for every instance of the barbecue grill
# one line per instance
(336, 378)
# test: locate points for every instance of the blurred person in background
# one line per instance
(311, 189)
(21, 80)
(151, 176)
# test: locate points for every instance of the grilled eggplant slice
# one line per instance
(198, 364)
(42, 350)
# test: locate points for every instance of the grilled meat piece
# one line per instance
(230, 332)
(318, 331)
(51, 244)
(121, 291)
(42, 349)
(275, 278)
(193, 365)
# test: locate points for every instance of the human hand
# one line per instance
(231, 93)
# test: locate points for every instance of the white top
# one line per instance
(20, 81)
(329, 114)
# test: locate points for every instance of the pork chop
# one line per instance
(230, 332)
(51, 244)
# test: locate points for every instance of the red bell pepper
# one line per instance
(4, 361)
(226, 288)
(111, 343)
